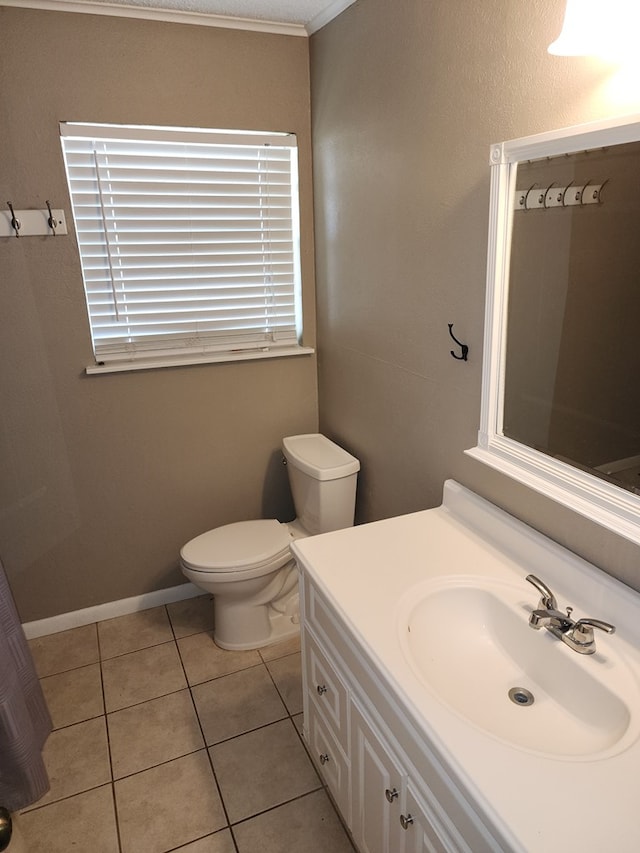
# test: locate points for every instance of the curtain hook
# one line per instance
(15, 223)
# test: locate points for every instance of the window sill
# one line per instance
(204, 358)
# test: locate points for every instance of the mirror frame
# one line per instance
(602, 502)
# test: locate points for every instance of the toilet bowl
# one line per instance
(248, 566)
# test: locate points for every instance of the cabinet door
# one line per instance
(417, 826)
(377, 789)
(331, 762)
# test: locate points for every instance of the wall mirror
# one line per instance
(560, 409)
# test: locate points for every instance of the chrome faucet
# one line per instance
(577, 635)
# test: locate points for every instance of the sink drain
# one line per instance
(521, 696)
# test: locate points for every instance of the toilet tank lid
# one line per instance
(241, 545)
(319, 457)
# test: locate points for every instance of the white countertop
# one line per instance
(539, 802)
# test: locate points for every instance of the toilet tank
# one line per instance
(323, 478)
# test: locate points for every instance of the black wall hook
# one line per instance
(464, 347)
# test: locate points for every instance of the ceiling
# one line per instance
(293, 17)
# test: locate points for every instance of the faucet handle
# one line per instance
(580, 635)
(590, 624)
(548, 599)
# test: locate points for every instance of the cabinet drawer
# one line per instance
(330, 761)
(318, 614)
(327, 692)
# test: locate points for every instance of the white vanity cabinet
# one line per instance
(361, 741)
(416, 630)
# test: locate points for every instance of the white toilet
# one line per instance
(248, 566)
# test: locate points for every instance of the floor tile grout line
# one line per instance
(246, 732)
(65, 671)
(77, 722)
(204, 740)
(175, 639)
(116, 816)
(106, 723)
(46, 805)
(160, 764)
(71, 669)
(141, 649)
(236, 846)
(280, 693)
(200, 838)
(277, 806)
(307, 749)
(215, 776)
(144, 701)
(309, 756)
(225, 674)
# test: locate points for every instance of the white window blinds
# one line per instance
(189, 240)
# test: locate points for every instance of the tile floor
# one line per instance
(164, 742)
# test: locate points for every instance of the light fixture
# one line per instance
(605, 28)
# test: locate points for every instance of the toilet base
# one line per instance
(243, 627)
(250, 612)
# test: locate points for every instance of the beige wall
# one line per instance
(406, 99)
(105, 477)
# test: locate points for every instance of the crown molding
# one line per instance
(170, 16)
(332, 11)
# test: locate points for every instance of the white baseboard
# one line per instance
(76, 618)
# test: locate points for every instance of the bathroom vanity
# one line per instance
(415, 631)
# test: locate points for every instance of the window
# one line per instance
(189, 242)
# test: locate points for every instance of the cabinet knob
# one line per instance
(324, 758)
(406, 821)
(391, 795)
(321, 689)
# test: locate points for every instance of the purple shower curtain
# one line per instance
(24, 717)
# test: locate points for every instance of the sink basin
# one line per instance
(469, 642)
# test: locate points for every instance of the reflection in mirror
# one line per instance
(573, 342)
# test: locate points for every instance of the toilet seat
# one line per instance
(245, 546)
